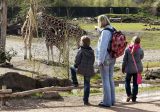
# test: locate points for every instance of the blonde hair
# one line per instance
(136, 40)
(85, 41)
(103, 21)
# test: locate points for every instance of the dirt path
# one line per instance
(146, 103)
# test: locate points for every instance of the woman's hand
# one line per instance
(100, 64)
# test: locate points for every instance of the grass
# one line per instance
(151, 64)
(150, 39)
(120, 26)
(118, 90)
(140, 90)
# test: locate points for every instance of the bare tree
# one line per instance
(3, 22)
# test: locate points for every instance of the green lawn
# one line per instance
(129, 26)
(150, 39)
(120, 26)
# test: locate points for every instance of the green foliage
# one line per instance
(37, 95)
(7, 56)
(2, 56)
(83, 3)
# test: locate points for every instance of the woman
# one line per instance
(129, 67)
(105, 61)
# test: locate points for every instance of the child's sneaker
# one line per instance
(87, 103)
(75, 85)
(128, 98)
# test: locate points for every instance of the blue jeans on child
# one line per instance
(86, 83)
(128, 86)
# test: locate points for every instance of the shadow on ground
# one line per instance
(40, 104)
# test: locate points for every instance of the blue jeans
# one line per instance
(74, 76)
(86, 83)
(108, 84)
(128, 86)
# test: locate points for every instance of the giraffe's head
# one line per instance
(76, 32)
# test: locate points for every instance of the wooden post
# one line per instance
(3, 23)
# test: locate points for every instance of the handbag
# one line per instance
(139, 76)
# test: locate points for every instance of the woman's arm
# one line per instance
(103, 45)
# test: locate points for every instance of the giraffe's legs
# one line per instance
(29, 48)
(60, 54)
(25, 44)
(25, 48)
(51, 48)
(47, 46)
(64, 52)
(29, 41)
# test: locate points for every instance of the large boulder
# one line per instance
(18, 82)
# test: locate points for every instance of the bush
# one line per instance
(7, 56)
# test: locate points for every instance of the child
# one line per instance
(84, 62)
(129, 67)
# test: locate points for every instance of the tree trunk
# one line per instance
(45, 89)
(3, 22)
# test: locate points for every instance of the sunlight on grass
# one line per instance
(150, 39)
(151, 64)
(128, 26)
(118, 90)
(119, 26)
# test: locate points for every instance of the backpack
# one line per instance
(117, 44)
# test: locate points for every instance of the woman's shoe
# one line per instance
(102, 105)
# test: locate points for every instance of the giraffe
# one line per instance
(57, 32)
(27, 35)
(28, 30)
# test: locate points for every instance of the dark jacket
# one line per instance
(128, 63)
(84, 61)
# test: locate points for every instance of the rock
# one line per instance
(51, 95)
(18, 82)
(152, 74)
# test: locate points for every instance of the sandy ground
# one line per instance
(147, 102)
(39, 53)
(150, 103)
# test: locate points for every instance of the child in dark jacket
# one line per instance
(84, 63)
(128, 67)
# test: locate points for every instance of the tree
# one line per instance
(3, 28)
